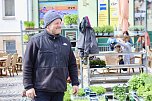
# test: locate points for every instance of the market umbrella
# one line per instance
(123, 14)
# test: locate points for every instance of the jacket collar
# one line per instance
(51, 36)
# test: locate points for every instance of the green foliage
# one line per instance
(108, 29)
(135, 82)
(143, 85)
(99, 29)
(29, 24)
(148, 96)
(104, 29)
(81, 92)
(67, 94)
(136, 28)
(98, 62)
(98, 89)
(70, 19)
(120, 92)
(41, 23)
(25, 37)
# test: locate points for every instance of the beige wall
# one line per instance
(89, 10)
(11, 37)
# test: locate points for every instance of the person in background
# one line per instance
(111, 42)
(48, 62)
(126, 47)
(126, 33)
(120, 57)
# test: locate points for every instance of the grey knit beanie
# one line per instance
(50, 16)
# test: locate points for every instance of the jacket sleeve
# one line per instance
(29, 62)
(73, 70)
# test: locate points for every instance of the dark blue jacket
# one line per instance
(47, 63)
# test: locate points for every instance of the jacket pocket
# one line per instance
(53, 79)
(46, 58)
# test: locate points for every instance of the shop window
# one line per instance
(8, 9)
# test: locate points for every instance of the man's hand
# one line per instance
(31, 93)
(75, 90)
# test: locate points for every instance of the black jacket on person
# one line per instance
(48, 61)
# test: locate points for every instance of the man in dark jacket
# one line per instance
(48, 62)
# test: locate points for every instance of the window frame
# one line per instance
(3, 12)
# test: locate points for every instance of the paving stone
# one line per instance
(11, 88)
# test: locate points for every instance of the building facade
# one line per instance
(11, 13)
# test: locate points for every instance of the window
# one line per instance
(8, 9)
(10, 46)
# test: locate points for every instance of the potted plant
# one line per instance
(97, 63)
(142, 85)
(99, 30)
(70, 20)
(29, 25)
(109, 30)
(25, 38)
(32, 24)
(26, 24)
(136, 30)
(121, 92)
(99, 90)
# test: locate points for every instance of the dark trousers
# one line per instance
(49, 96)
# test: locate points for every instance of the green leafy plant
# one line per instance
(98, 62)
(136, 28)
(70, 19)
(29, 24)
(81, 92)
(99, 29)
(108, 29)
(143, 85)
(25, 37)
(120, 92)
(32, 24)
(67, 94)
(26, 24)
(41, 23)
(98, 89)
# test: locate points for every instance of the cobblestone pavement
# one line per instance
(11, 88)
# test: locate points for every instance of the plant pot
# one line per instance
(77, 98)
(97, 66)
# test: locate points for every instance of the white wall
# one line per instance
(10, 25)
(89, 10)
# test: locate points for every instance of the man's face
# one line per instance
(55, 27)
